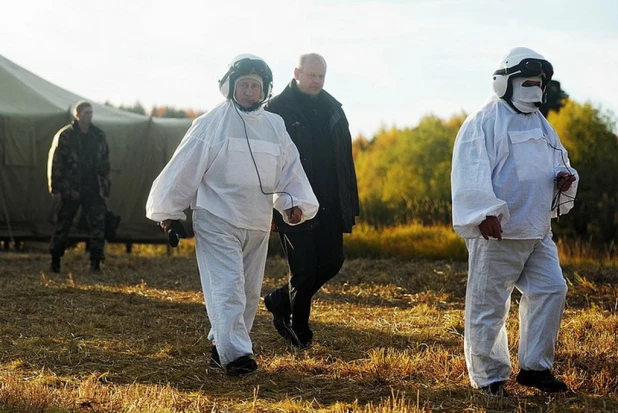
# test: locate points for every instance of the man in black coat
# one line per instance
(314, 250)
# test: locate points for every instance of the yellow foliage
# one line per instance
(406, 242)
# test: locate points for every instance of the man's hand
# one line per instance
(174, 231)
(294, 214)
(166, 225)
(56, 196)
(564, 180)
(491, 227)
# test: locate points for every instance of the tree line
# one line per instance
(163, 111)
(404, 174)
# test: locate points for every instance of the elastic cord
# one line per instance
(555, 203)
(255, 163)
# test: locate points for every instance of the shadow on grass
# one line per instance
(141, 327)
(144, 322)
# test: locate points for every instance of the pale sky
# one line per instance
(390, 62)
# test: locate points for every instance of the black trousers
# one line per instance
(94, 210)
(314, 257)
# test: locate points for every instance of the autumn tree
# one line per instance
(173, 112)
(587, 134)
(404, 175)
(159, 111)
(137, 107)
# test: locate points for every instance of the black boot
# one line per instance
(242, 365)
(543, 380)
(55, 264)
(281, 319)
(495, 389)
(95, 265)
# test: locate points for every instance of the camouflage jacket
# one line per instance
(78, 163)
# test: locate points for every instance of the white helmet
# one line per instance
(520, 62)
(245, 64)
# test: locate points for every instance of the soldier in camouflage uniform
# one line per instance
(78, 176)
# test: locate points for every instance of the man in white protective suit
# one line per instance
(234, 165)
(510, 176)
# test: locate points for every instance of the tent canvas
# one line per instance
(32, 110)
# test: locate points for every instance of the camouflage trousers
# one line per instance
(94, 210)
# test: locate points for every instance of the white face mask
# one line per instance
(526, 99)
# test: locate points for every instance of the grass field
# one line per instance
(388, 338)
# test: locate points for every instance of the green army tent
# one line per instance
(32, 110)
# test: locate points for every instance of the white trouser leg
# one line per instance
(255, 250)
(224, 254)
(493, 269)
(543, 289)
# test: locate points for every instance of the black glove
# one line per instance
(175, 232)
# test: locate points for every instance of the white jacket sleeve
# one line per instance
(293, 188)
(176, 187)
(472, 192)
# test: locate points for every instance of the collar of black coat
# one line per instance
(303, 98)
(76, 127)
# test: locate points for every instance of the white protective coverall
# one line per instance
(504, 165)
(213, 172)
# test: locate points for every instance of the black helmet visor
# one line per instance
(247, 66)
(529, 68)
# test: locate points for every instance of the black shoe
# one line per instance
(215, 361)
(302, 344)
(240, 366)
(55, 264)
(281, 321)
(495, 389)
(305, 338)
(95, 265)
(542, 380)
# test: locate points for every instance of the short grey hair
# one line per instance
(304, 58)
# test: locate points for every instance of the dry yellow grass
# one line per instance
(388, 339)
(405, 242)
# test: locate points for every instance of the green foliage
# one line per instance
(588, 136)
(404, 175)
